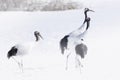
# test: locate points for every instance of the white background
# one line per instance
(45, 61)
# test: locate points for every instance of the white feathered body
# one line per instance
(24, 48)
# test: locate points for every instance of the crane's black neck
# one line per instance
(37, 38)
(88, 25)
(85, 13)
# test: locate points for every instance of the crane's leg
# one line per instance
(77, 61)
(76, 65)
(67, 61)
(20, 64)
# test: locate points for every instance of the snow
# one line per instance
(45, 61)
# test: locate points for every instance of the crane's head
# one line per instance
(87, 10)
(37, 35)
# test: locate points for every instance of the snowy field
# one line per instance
(45, 61)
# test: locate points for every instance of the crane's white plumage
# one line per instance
(23, 49)
(69, 41)
(80, 30)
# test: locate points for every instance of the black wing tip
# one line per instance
(8, 56)
(62, 49)
(12, 52)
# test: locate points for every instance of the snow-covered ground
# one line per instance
(45, 61)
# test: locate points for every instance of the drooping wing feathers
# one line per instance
(12, 52)
(64, 43)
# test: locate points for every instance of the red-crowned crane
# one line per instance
(81, 29)
(22, 49)
(75, 36)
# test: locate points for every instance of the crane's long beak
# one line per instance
(40, 36)
(91, 10)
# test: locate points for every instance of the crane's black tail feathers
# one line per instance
(12, 52)
(63, 44)
(62, 49)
